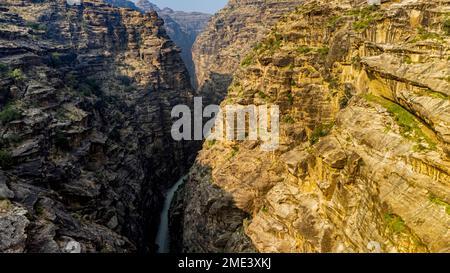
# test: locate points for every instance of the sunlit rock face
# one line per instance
(86, 154)
(364, 157)
(145, 5)
(229, 35)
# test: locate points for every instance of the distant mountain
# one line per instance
(183, 28)
(190, 22)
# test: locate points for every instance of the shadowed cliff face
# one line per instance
(182, 27)
(86, 153)
(229, 35)
(145, 5)
(363, 163)
(201, 207)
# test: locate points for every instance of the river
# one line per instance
(163, 236)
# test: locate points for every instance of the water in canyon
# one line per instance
(163, 236)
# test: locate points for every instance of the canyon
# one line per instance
(88, 163)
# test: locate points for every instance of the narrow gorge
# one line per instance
(88, 162)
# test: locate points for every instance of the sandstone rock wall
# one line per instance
(363, 163)
(229, 35)
(182, 27)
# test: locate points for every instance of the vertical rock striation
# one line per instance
(229, 35)
(182, 27)
(363, 163)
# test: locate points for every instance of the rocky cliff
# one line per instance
(182, 27)
(364, 158)
(229, 35)
(86, 93)
(123, 4)
(145, 5)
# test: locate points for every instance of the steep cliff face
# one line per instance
(229, 35)
(182, 27)
(86, 153)
(363, 163)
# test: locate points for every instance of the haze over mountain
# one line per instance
(205, 6)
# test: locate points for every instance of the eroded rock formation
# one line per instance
(182, 27)
(86, 154)
(146, 6)
(363, 163)
(229, 35)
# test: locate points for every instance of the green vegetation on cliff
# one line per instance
(320, 131)
(395, 222)
(365, 17)
(16, 74)
(446, 26)
(409, 124)
(6, 160)
(440, 202)
(10, 113)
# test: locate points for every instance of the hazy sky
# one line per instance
(209, 6)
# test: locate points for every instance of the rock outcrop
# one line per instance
(146, 6)
(363, 163)
(86, 94)
(229, 35)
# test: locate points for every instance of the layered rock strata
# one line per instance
(86, 153)
(182, 27)
(229, 35)
(363, 163)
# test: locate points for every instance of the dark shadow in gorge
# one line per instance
(204, 218)
(184, 41)
(215, 89)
